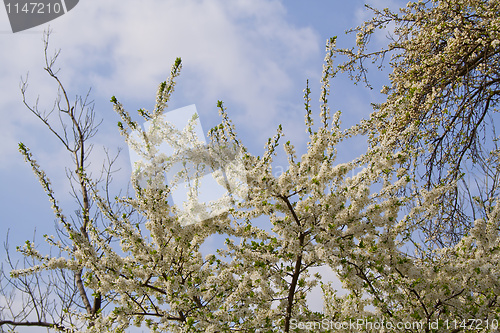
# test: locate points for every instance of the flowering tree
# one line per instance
(441, 103)
(414, 244)
(440, 113)
(45, 295)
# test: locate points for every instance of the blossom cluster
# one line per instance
(409, 238)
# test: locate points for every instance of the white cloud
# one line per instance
(242, 51)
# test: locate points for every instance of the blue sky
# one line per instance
(255, 55)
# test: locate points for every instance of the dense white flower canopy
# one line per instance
(413, 240)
